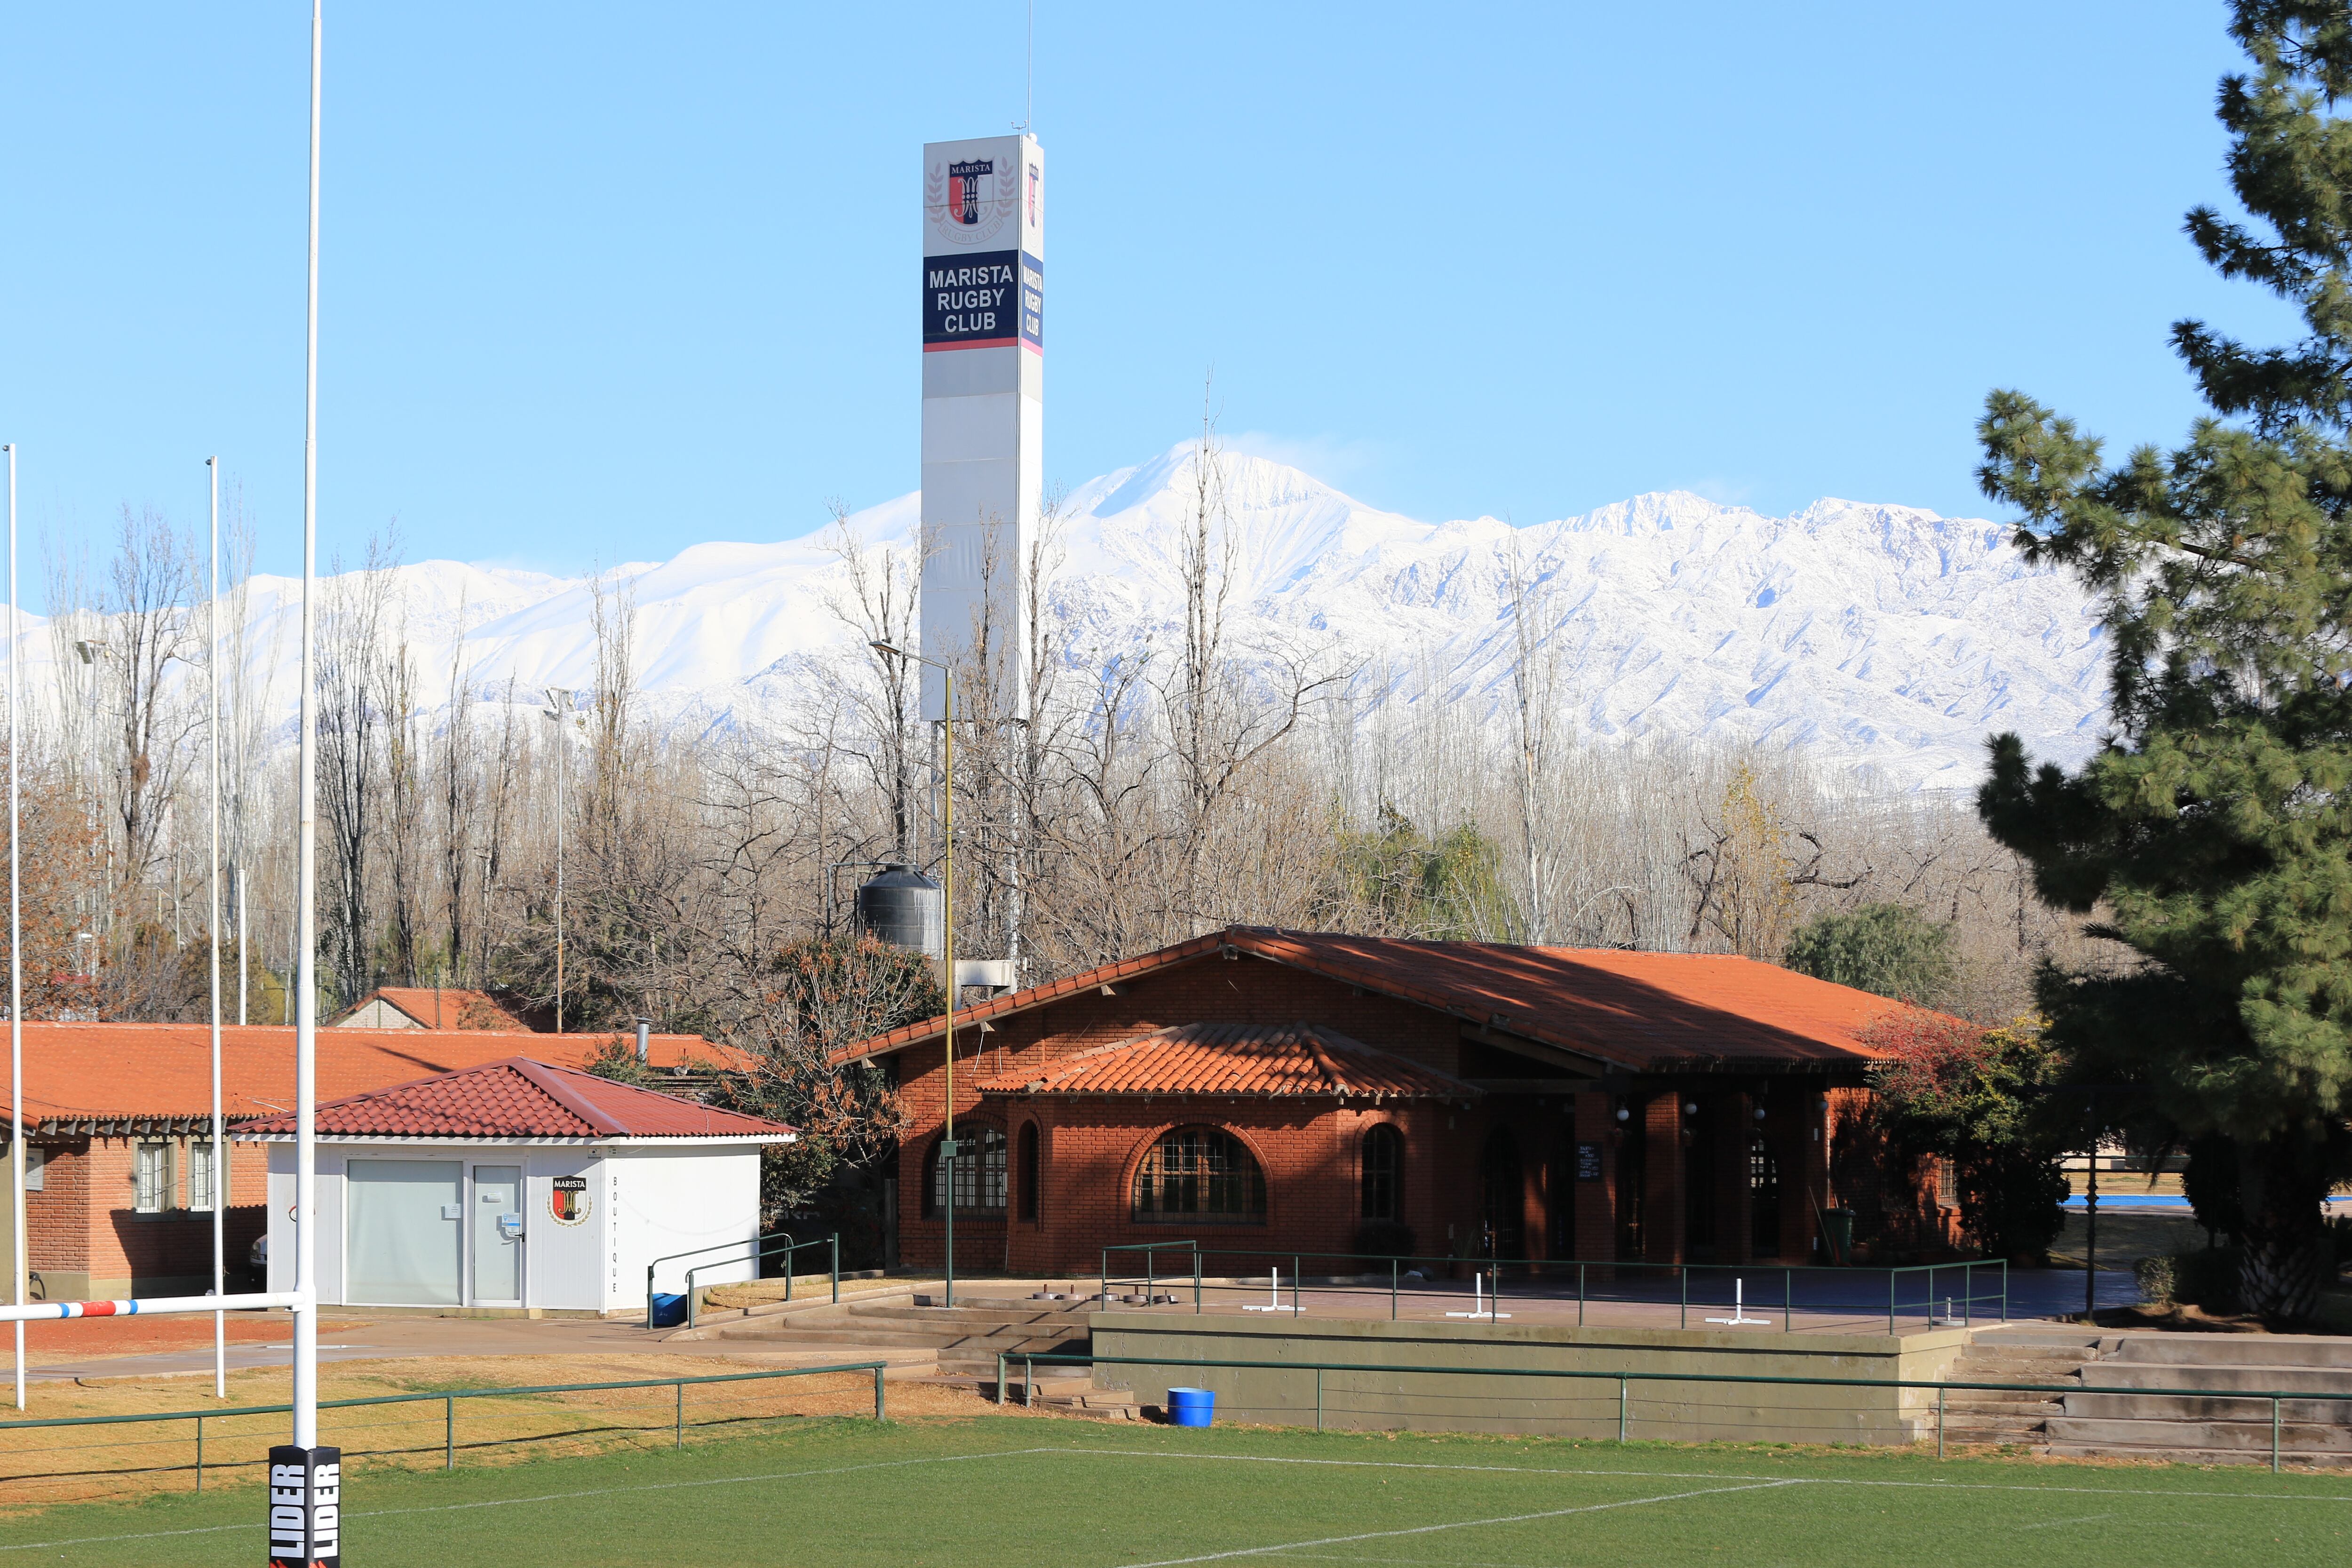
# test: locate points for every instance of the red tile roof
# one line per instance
(1636, 1011)
(1284, 1060)
(444, 1007)
(519, 1097)
(77, 1075)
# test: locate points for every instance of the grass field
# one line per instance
(973, 1493)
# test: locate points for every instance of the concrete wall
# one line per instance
(1566, 1407)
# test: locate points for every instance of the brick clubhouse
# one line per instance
(1279, 1092)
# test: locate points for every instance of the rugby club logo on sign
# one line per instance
(970, 200)
(567, 1202)
(964, 194)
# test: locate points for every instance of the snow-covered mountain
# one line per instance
(1871, 633)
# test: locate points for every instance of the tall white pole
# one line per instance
(212, 894)
(237, 897)
(306, 850)
(15, 964)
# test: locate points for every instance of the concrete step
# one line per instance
(2311, 1351)
(2001, 1429)
(822, 1333)
(965, 1315)
(2192, 1407)
(2121, 1373)
(2003, 1404)
(2034, 1351)
(2079, 1342)
(2204, 1436)
(1969, 1368)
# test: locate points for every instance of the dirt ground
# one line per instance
(52, 1463)
(55, 1341)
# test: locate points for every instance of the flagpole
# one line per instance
(15, 965)
(212, 892)
(306, 998)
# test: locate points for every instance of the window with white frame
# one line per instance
(200, 1173)
(37, 1160)
(151, 1178)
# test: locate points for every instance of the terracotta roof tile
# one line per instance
(519, 1097)
(1639, 1012)
(1283, 1060)
(85, 1073)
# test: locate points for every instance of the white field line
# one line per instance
(1705, 1476)
(547, 1497)
(1462, 1525)
(1246, 1458)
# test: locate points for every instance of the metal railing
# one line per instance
(764, 1247)
(447, 1399)
(1625, 1381)
(1411, 1277)
(768, 1249)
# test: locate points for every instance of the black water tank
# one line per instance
(901, 906)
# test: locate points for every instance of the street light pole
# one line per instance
(947, 1150)
(558, 704)
(212, 921)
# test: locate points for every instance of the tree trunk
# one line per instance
(2284, 1252)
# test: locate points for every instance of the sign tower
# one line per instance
(984, 409)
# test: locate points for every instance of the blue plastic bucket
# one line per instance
(1192, 1406)
(669, 1309)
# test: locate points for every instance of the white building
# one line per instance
(519, 1185)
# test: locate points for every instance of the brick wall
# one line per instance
(1088, 1148)
(83, 1228)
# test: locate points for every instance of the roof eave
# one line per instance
(665, 1140)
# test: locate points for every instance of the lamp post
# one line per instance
(218, 1196)
(558, 709)
(947, 922)
(88, 649)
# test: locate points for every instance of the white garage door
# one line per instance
(404, 1233)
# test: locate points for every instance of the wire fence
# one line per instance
(1791, 1298)
(59, 1459)
(1678, 1405)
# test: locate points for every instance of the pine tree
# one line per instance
(2214, 829)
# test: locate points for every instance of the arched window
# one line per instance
(979, 1172)
(1028, 1174)
(1199, 1175)
(1383, 1172)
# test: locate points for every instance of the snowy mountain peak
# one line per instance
(1864, 632)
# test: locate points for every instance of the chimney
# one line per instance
(644, 1039)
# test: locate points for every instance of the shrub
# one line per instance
(2207, 1277)
(2158, 1279)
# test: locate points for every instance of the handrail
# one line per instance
(449, 1398)
(766, 1249)
(1148, 1248)
(721, 1247)
(1491, 1271)
(2276, 1396)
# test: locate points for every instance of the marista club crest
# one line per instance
(567, 1201)
(972, 201)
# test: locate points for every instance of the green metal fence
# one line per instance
(1911, 1291)
(1626, 1380)
(194, 1421)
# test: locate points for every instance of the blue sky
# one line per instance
(600, 282)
